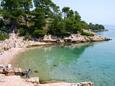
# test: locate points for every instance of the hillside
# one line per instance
(44, 19)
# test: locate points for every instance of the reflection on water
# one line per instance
(47, 60)
(74, 63)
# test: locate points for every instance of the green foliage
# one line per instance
(66, 10)
(45, 18)
(77, 16)
(22, 32)
(57, 28)
(3, 28)
(3, 36)
(87, 33)
(38, 33)
(39, 18)
(96, 27)
(1, 23)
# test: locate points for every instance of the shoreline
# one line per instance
(12, 48)
(15, 45)
(12, 80)
(8, 56)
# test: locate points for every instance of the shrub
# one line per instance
(3, 36)
(87, 33)
(38, 33)
(22, 32)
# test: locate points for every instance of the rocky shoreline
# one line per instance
(15, 76)
(34, 81)
(18, 42)
(74, 38)
(15, 45)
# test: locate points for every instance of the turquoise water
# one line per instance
(74, 63)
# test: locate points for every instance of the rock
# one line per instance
(86, 83)
(107, 39)
(75, 38)
(68, 84)
(2, 77)
(33, 80)
(48, 38)
(97, 38)
(14, 81)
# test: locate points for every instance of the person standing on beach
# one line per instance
(27, 72)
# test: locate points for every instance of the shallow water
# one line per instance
(74, 63)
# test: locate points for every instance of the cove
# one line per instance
(74, 63)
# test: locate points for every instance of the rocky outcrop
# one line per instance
(68, 84)
(77, 38)
(8, 77)
(73, 38)
(17, 42)
(13, 81)
(13, 42)
(97, 38)
(48, 38)
(34, 81)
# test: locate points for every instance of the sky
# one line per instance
(95, 11)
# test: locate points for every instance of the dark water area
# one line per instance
(74, 63)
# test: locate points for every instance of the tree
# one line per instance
(38, 33)
(77, 16)
(96, 27)
(13, 9)
(39, 17)
(45, 18)
(65, 10)
(57, 28)
(49, 7)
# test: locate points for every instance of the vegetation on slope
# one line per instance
(42, 18)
